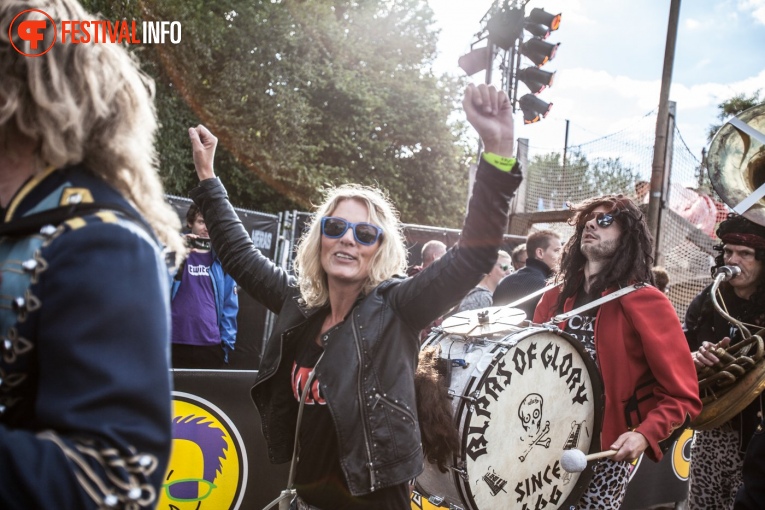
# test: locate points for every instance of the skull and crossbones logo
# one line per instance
(530, 413)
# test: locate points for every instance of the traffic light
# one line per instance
(539, 51)
(539, 16)
(539, 24)
(536, 79)
(533, 108)
(505, 26)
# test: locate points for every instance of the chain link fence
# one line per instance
(622, 163)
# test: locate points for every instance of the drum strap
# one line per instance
(533, 295)
(593, 304)
(289, 493)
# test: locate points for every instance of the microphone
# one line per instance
(729, 272)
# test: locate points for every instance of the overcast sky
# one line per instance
(610, 62)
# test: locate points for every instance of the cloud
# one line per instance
(754, 7)
(706, 95)
(693, 24)
(602, 103)
(600, 85)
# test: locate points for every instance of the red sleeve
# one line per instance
(670, 362)
(545, 309)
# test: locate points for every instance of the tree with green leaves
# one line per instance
(305, 94)
(733, 106)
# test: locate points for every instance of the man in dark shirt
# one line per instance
(717, 458)
(544, 250)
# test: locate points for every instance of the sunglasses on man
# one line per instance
(603, 219)
(364, 233)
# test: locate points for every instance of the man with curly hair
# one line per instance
(717, 455)
(635, 338)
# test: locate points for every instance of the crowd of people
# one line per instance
(100, 296)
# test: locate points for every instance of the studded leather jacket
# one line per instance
(367, 373)
(84, 383)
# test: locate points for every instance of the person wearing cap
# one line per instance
(717, 455)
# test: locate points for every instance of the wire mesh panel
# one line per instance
(622, 163)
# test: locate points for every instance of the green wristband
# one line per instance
(500, 162)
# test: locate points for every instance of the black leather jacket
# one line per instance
(367, 373)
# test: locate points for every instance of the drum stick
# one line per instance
(600, 455)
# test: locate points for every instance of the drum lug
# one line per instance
(435, 500)
(470, 398)
(551, 327)
(460, 471)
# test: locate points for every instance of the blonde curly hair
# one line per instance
(85, 103)
(389, 260)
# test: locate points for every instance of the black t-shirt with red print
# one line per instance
(319, 479)
(582, 326)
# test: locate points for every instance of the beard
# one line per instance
(600, 252)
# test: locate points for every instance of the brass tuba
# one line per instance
(736, 165)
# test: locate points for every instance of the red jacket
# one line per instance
(641, 351)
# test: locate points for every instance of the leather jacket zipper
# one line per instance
(361, 404)
(403, 410)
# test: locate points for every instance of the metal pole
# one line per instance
(565, 151)
(666, 192)
(660, 144)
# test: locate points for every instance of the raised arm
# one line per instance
(258, 276)
(442, 284)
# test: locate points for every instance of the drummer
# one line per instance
(651, 390)
(348, 316)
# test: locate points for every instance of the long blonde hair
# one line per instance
(85, 103)
(389, 260)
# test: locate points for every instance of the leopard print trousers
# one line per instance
(716, 462)
(607, 487)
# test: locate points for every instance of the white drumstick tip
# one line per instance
(574, 461)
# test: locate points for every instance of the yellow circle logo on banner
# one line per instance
(681, 455)
(208, 465)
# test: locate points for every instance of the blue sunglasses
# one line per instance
(364, 233)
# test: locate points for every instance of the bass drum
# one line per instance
(519, 400)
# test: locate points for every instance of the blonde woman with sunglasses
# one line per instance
(346, 339)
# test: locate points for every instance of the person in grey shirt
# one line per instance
(480, 296)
